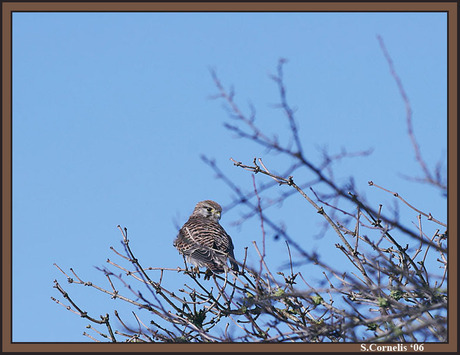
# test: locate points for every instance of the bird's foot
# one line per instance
(208, 274)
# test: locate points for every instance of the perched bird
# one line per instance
(203, 241)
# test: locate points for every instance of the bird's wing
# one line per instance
(204, 240)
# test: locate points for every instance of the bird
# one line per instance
(204, 242)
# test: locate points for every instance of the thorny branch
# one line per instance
(395, 194)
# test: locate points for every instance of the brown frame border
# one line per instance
(9, 7)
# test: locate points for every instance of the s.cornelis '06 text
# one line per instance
(393, 348)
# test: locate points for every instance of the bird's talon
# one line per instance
(208, 274)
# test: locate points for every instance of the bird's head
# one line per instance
(208, 209)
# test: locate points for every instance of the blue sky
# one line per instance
(111, 112)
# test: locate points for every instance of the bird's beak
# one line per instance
(218, 215)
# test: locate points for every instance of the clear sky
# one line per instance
(111, 112)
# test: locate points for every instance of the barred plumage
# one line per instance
(203, 241)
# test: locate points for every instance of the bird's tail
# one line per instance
(234, 266)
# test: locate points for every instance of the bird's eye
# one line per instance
(209, 209)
